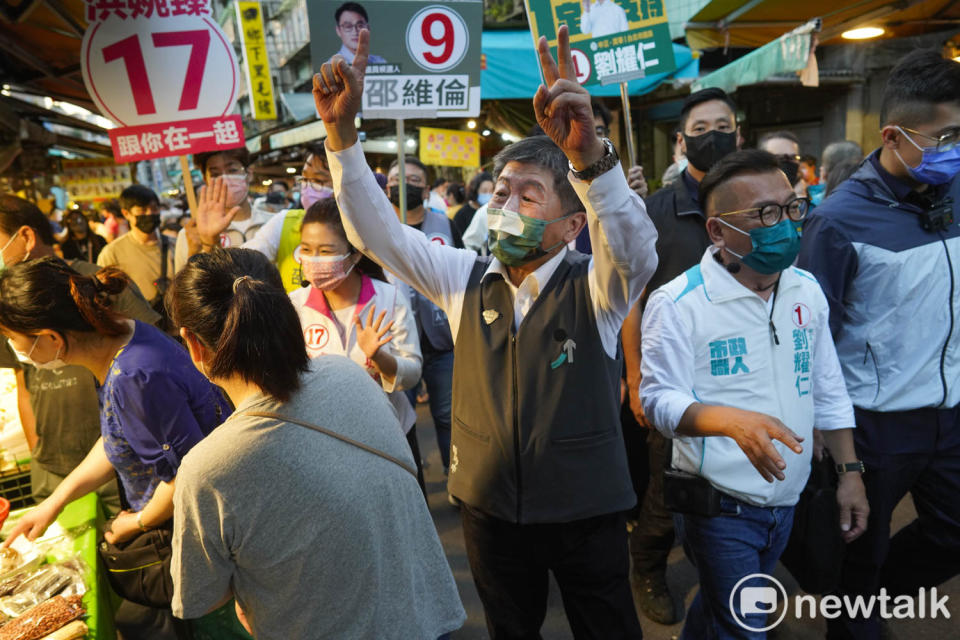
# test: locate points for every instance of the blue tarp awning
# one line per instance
(513, 70)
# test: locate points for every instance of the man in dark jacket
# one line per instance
(708, 132)
(885, 247)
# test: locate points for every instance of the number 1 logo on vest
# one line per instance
(801, 315)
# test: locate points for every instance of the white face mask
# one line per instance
(56, 363)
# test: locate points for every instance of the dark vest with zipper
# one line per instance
(536, 438)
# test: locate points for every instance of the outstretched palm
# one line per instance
(338, 88)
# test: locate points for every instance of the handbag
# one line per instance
(815, 550)
(139, 569)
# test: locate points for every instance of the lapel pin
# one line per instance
(490, 316)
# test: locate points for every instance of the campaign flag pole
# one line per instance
(188, 185)
(402, 171)
(628, 125)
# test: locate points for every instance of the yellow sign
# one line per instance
(256, 61)
(449, 147)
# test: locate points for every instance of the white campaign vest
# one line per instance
(738, 364)
(322, 333)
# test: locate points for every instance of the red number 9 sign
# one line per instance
(437, 38)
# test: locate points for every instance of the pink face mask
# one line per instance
(327, 272)
(309, 195)
(237, 188)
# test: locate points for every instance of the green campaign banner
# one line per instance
(611, 41)
(424, 57)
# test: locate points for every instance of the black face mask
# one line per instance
(790, 167)
(414, 195)
(706, 149)
(148, 223)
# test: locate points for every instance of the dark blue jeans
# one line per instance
(742, 541)
(438, 376)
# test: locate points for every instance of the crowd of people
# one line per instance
(609, 372)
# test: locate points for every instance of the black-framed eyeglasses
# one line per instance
(603, 132)
(771, 214)
(945, 142)
(353, 27)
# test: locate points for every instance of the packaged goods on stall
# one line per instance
(43, 619)
(42, 584)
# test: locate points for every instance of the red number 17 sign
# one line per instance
(164, 72)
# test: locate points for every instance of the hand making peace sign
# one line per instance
(562, 106)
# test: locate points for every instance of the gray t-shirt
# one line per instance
(316, 538)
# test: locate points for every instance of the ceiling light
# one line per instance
(471, 124)
(267, 183)
(862, 33)
(486, 132)
(392, 144)
(291, 169)
(411, 143)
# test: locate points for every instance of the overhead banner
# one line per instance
(449, 147)
(166, 74)
(611, 41)
(424, 56)
(256, 61)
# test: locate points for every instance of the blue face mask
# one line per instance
(483, 198)
(816, 192)
(774, 248)
(936, 167)
(515, 238)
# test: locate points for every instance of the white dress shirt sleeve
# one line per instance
(475, 237)
(832, 407)
(623, 240)
(622, 24)
(405, 347)
(667, 365)
(267, 238)
(586, 21)
(437, 271)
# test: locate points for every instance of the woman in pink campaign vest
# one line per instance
(347, 307)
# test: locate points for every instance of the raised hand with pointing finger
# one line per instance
(338, 92)
(562, 106)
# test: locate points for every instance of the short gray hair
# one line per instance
(541, 151)
(845, 151)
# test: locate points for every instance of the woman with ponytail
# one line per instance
(348, 308)
(303, 505)
(155, 406)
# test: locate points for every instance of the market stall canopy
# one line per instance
(791, 52)
(510, 68)
(40, 45)
(754, 23)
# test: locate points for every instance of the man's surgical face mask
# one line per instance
(515, 239)
(939, 163)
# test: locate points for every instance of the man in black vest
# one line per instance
(537, 457)
(707, 132)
